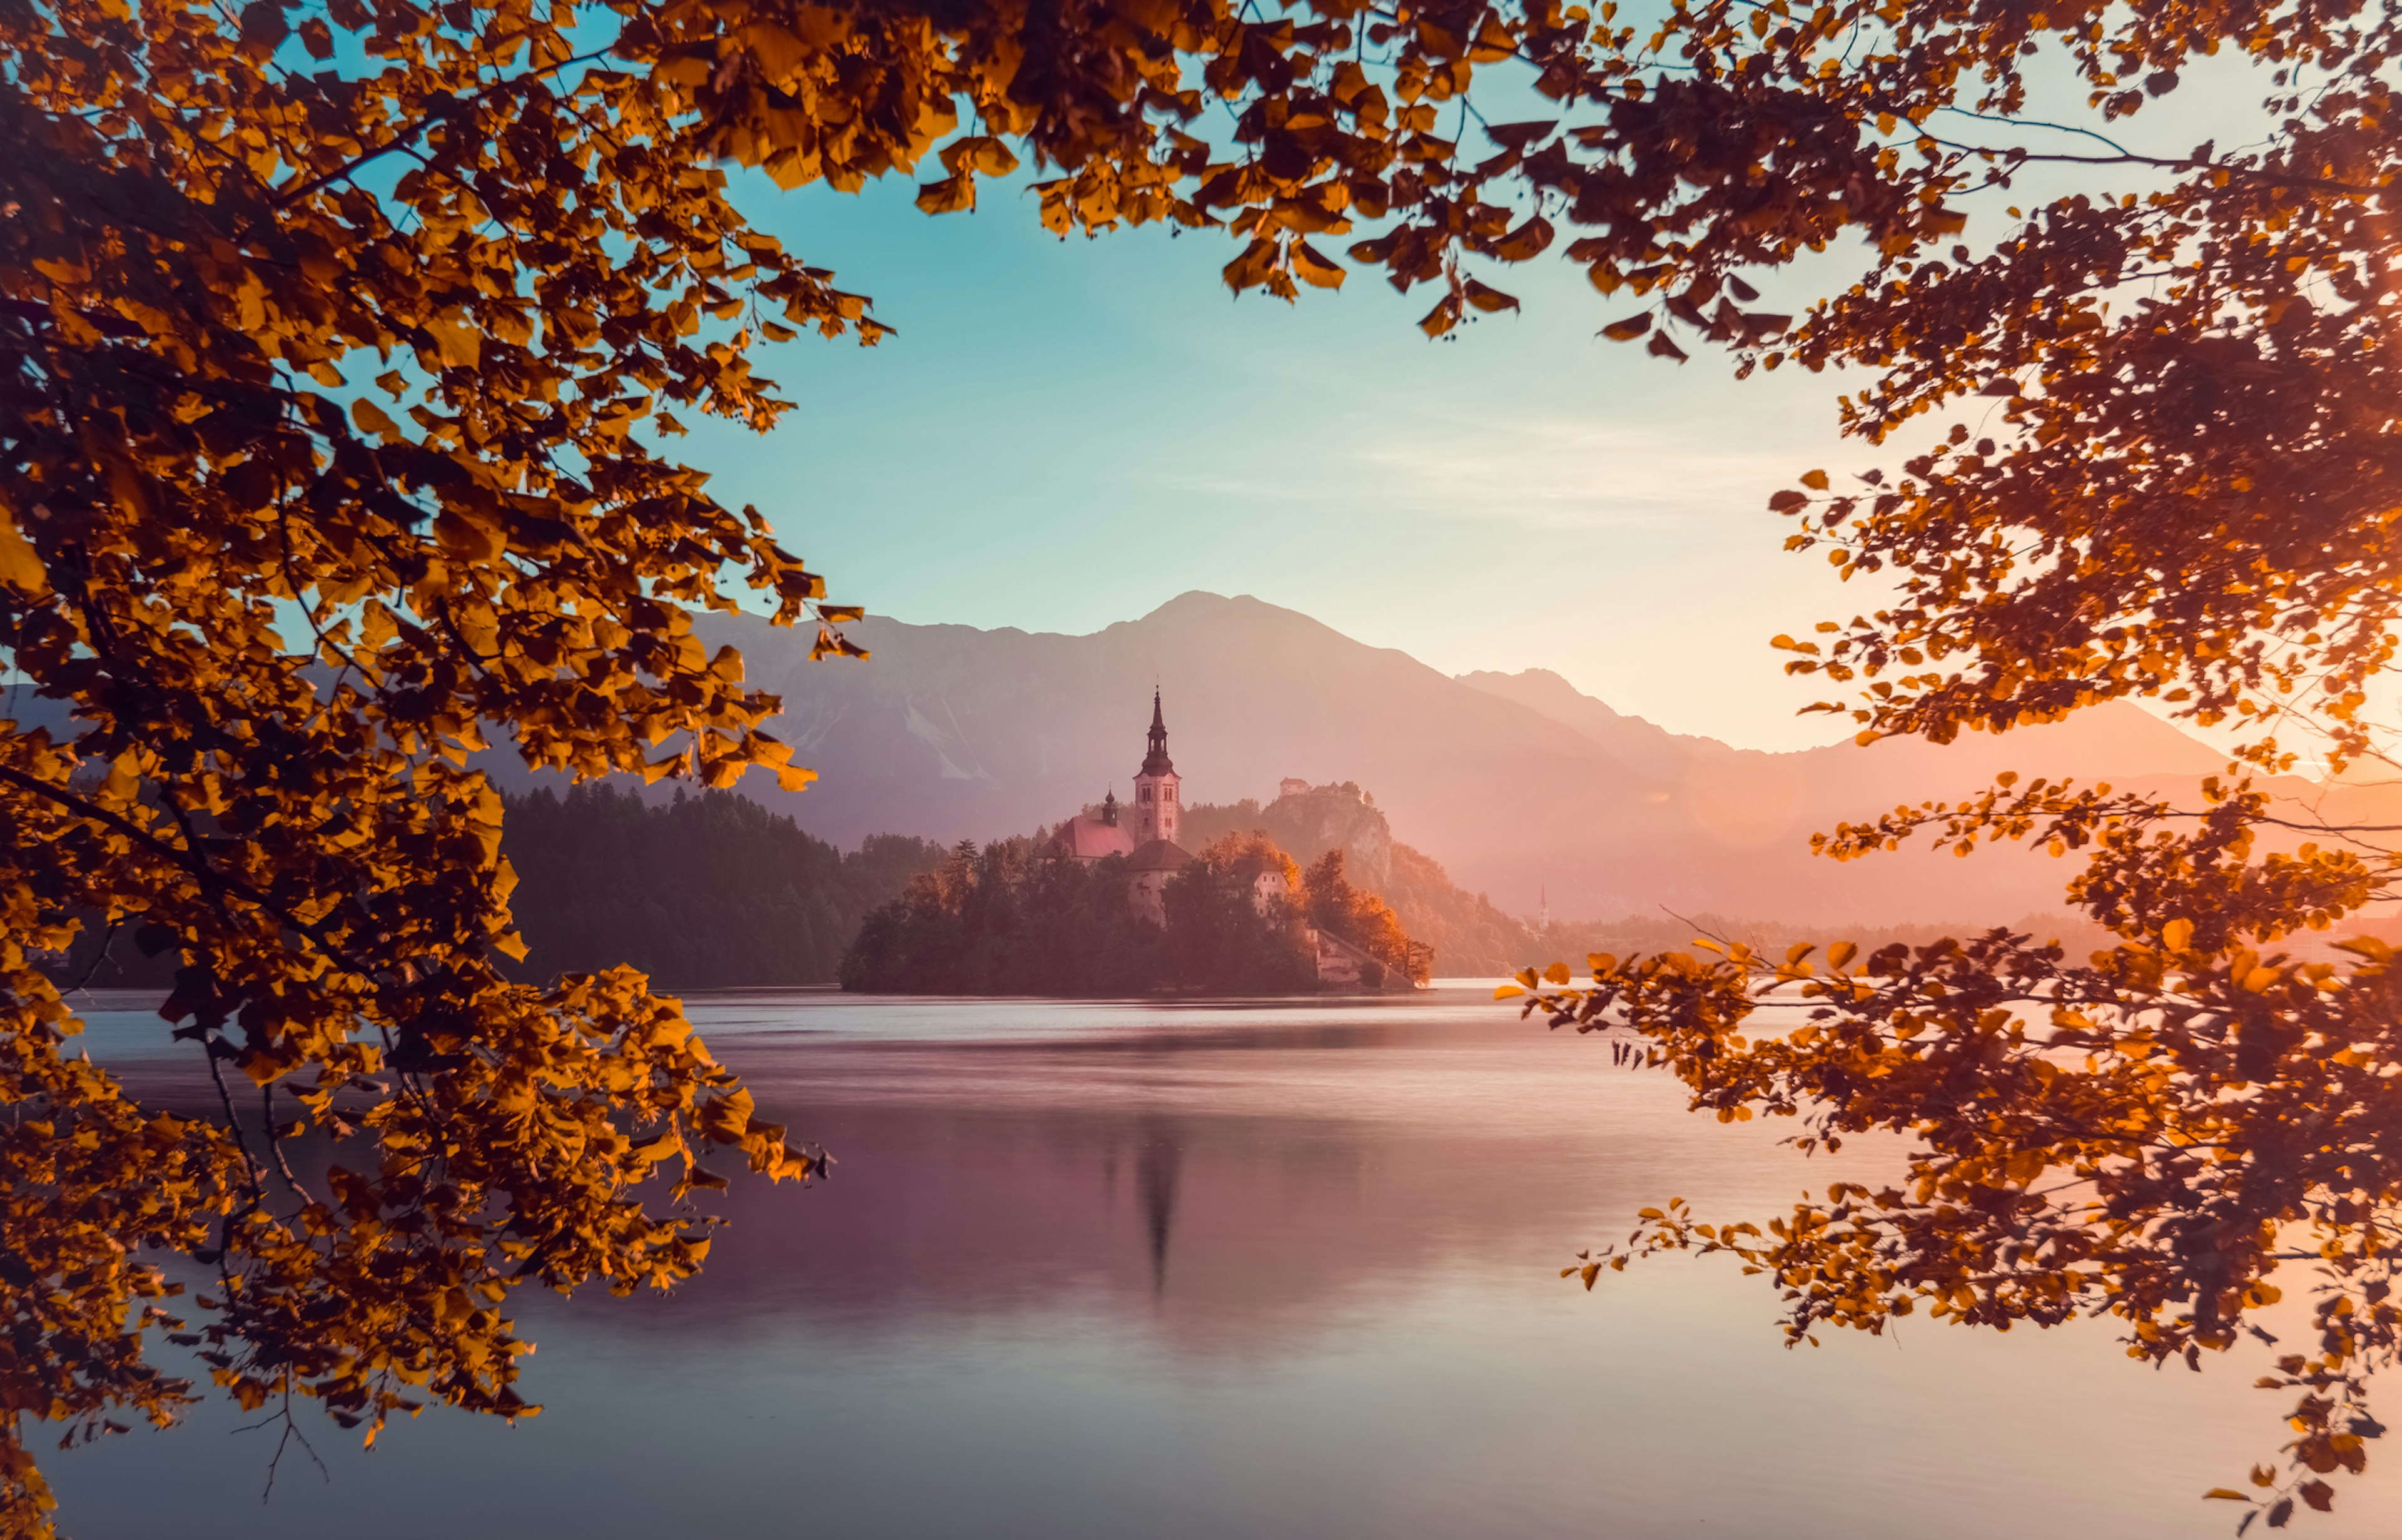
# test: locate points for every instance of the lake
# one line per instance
(1280, 1269)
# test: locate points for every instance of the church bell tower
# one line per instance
(1156, 808)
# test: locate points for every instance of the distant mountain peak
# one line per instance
(1644, 744)
(1201, 606)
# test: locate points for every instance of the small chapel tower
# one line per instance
(1156, 808)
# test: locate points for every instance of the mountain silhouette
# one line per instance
(1518, 784)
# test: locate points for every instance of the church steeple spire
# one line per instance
(1156, 761)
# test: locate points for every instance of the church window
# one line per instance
(1146, 793)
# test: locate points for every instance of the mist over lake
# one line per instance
(1279, 1267)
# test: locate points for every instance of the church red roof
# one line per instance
(1088, 838)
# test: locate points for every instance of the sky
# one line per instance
(1063, 434)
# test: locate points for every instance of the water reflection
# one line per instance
(1156, 1174)
(1237, 1177)
(1275, 1269)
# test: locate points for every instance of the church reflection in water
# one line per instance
(1221, 1183)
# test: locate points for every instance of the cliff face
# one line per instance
(1306, 825)
(1470, 936)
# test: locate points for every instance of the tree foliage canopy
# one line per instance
(287, 614)
(2173, 477)
(1332, 903)
(1006, 918)
(338, 339)
(1015, 917)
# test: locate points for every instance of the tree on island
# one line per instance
(1013, 918)
(1005, 920)
(1468, 935)
(1222, 938)
(1364, 920)
(328, 341)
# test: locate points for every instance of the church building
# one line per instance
(1144, 832)
(1157, 809)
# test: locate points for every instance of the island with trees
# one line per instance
(1019, 917)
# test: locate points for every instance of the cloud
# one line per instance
(1544, 475)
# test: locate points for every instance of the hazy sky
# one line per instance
(1064, 435)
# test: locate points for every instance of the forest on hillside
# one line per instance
(704, 891)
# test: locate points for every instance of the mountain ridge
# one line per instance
(2113, 727)
(1518, 785)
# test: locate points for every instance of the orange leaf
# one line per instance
(21, 566)
(1310, 267)
(1528, 240)
(1489, 300)
(948, 196)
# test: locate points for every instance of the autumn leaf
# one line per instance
(20, 566)
(1527, 242)
(456, 343)
(1312, 267)
(375, 420)
(1487, 298)
(1253, 266)
(980, 153)
(948, 196)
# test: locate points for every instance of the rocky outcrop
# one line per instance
(1470, 936)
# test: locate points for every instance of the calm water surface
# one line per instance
(1288, 1268)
